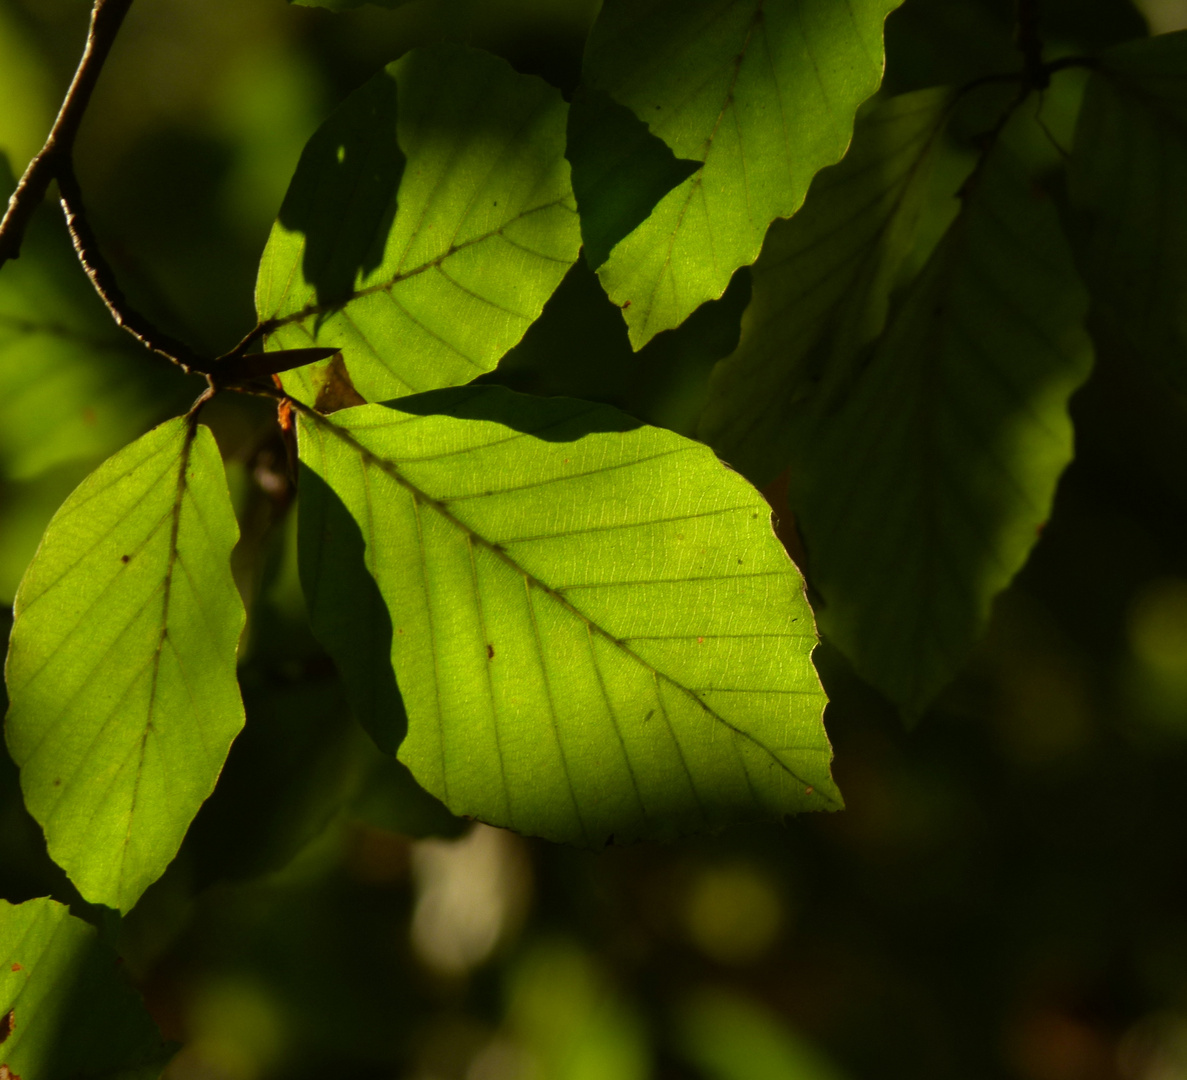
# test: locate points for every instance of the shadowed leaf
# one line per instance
(70, 1013)
(921, 496)
(822, 286)
(762, 93)
(1128, 176)
(620, 170)
(423, 274)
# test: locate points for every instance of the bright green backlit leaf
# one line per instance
(66, 1010)
(596, 631)
(1128, 175)
(922, 495)
(428, 221)
(70, 384)
(822, 285)
(763, 93)
(121, 668)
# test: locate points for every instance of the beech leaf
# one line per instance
(123, 698)
(595, 630)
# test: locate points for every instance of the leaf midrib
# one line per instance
(419, 497)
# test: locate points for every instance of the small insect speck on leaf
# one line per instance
(649, 716)
(626, 304)
(125, 558)
(58, 782)
(809, 790)
(490, 652)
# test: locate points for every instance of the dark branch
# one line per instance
(106, 19)
(103, 278)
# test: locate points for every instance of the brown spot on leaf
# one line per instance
(7, 1023)
(7, 1074)
(809, 790)
(16, 967)
(336, 391)
(490, 652)
(125, 558)
(57, 781)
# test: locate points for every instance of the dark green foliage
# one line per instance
(476, 569)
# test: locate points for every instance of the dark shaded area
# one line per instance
(346, 610)
(343, 194)
(552, 419)
(579, 348)
(620, 170)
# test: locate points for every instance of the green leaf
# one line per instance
(763, 93)
(921, 496)
(121, 669)
(429, 219)
(730, 1038)
(70, 379)
(596, 631)
(620, 170)
(822, 285)
(1128, 175)
(65, 1008)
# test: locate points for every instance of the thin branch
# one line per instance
(106, 18)
(103, 278)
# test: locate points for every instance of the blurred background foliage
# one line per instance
(1006, 894)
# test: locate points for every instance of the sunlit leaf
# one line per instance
(121, 668)
(762, 93)
(65, 1010)
(428, 221)
(921, 496)
(822, 285)
(595, 630)
(71, 382)
(620, 170)
(1128, 175)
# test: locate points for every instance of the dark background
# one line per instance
(1006, 894)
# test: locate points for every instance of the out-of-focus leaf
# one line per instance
(569, 1017)
(921, 496)
(729, 1038)
(822, 286)
(65, 1011)
(595, 630)
(123, 699)
(620, 170)
(1128, 175)
(71, 382)
(347, 5)
(428, 221)
(762, 93)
